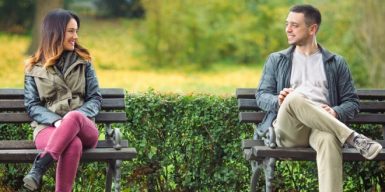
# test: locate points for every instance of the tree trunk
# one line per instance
(42, 8)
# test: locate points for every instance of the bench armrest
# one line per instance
(115, 135)
(270, 141)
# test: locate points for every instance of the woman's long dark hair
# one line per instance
(52, 38)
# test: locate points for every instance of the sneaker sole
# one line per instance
(375, 153)
(29, 183)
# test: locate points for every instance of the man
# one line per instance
(307, 93)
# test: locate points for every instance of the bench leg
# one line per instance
(109, 174)
(113, 173)
(117, 175)
(255, 168)
(269, 167)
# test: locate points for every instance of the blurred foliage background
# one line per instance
(191, 55)
(200, 46)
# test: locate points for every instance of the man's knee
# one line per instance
(293, 99)
(327, 142)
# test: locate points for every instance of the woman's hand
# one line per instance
(57, 123)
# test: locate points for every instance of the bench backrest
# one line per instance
(372, 107)
(12, 108)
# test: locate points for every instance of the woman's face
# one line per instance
(70, 35)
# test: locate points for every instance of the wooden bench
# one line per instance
(262, 152)
(112, 150)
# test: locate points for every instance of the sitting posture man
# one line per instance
(307, 93)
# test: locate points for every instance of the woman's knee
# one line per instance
(75, 115)
(75, 147)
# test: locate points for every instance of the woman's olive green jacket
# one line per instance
(49, 94)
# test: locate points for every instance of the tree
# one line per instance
(16, 16)
(41, 9)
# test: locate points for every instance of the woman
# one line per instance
(62, 96)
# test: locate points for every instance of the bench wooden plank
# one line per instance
(112, 93)
(250, 117)
(257, 117)
(248, 143)
(98, 154)
(18, 104)
(6, 93)
(115, 104)
(245, 93)
(102, 117)
(365, 106)
(18, 93)
(303, 154)
(371, 94)
(28, 144)
(363, 94)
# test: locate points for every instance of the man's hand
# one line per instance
(329, 110)
(282, 94)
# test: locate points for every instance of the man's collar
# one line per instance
(326, 55)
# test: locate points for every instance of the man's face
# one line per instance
(298, 33)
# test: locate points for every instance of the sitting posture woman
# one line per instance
(62, 96)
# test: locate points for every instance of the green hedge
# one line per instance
(186, 143)
(190, 143)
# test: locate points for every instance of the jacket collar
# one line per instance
(39, 71)
(288, 53)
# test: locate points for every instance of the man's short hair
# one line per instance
(312, 14)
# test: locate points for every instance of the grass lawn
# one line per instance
(118, 63)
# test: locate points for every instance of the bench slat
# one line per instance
(250, 117)
(98, 154)
(248, 143)
(249, 93)
(18, 104)
(260, 152)
(115, 104)
(245, 93)
(112, 92)
(365, 106)
(102, 117)
(28, 144)
(247, 104)
(6, 93)
(371, 94)
(257, 117)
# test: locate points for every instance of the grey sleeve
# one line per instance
(348, 107)
(93, 97)
(266, 95)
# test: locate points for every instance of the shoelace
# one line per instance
(361, 144)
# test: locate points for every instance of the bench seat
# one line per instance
(112, 150)
(262, 151)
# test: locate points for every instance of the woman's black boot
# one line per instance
(32, 180)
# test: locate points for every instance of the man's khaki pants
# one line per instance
(300, 123)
